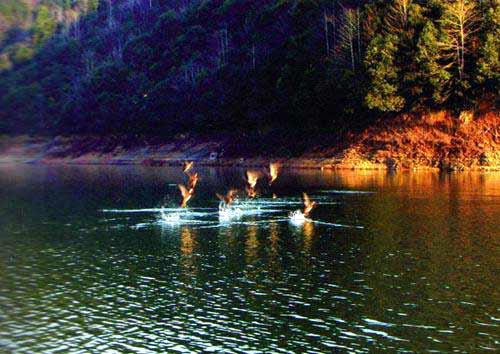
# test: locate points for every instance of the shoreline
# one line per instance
(287, 164)
(436, 141)
(27, 154)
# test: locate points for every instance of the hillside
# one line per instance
(272, 71)
(313, 83)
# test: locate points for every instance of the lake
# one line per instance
(403, 261)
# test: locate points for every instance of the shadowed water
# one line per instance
(90, 260)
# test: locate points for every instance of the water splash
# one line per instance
(297, 217)
(170, 218)
(241, 212)
(228, 213)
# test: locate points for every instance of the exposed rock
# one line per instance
(407, 142)
(428, 142)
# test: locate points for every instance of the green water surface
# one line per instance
(405, 261)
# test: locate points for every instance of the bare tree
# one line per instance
(76, 28)
(111, 21)
(349, 34)
(329, 28)
(397, 16)
(88, 58)
(223, 43)
(459, 22)
(327, 37)
(358, 29)
(117, 52)
(253, 55)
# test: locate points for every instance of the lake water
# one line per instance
(406, 262)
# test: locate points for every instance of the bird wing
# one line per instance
(188, 165)
(183, 190)
(307, 201)
(221, 197)
(193, 179)
(273, 170)
(252, 178)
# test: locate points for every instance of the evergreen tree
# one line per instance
(488, 65)
(92, 5)
(44, 25)
(383, 74)
(404, 19)
(432, 77)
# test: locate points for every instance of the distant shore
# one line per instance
(433, 142)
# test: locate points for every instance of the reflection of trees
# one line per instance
(275, 266)
(188, 241)
(231, 244)
(308, 232)
(188, 246)
(430, 244)
(430, 239)
(251, 244)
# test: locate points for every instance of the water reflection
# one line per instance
(251, 244)
(308, 233)
(275, 266)
(420, 276)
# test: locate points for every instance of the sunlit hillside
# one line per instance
(240, 68)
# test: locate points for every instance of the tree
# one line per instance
(349, 35)
(93, 5)
(5, 63)
(432, 76)
(488, 65)
(383, 74)
(459, 23)
(167, 67)
(22, 54)
(44, 25)
(404, 19)
(398, 16)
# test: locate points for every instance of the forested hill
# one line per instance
(286, 68)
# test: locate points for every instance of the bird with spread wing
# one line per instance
(252, 178)
(273, 172)
(308, 205)
(187, 166)
(187, 194)
(229, 198)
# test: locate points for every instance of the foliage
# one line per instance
(256, 69)
(432, 76)
(489, 60)
(44, 25)
(383, 74)
(22, 53)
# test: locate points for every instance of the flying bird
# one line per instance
(228, 198)
(273, 172)
(193, 180)
(251, 178)
(251, 192)
(186, 195)
(187, 166)
(308, 205)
